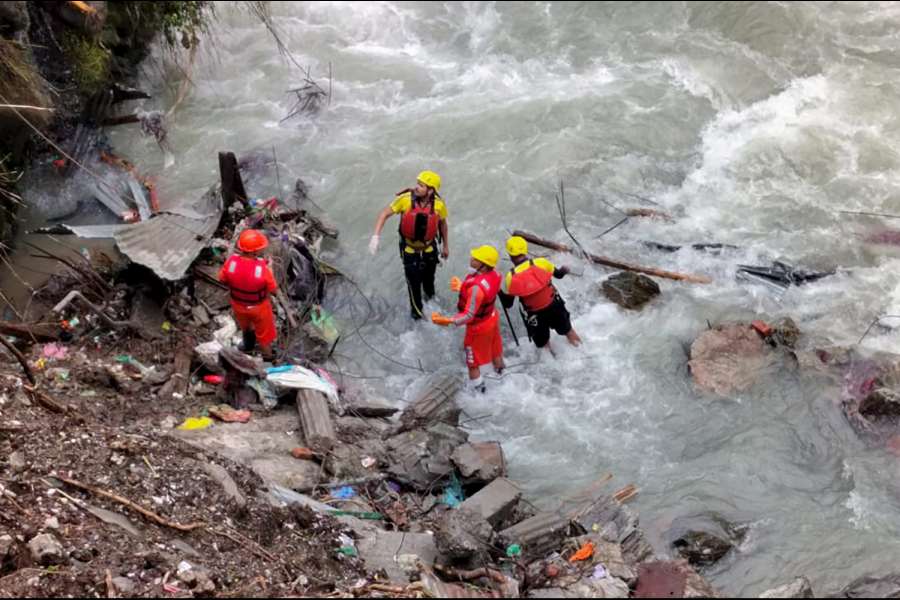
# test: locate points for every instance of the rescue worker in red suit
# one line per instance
(423, 223)
(477, 295)
(251, 282)
(531, 281)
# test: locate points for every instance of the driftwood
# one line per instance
(123, 120)
(129, 504)
(33, 332)
(15, 352)
(132, 325)
(608, 262)
(181, 373)
(232, 184)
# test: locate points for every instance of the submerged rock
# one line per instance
(873, 587)
(705, 539)
(630, 290)
(702, 549)
(882, 404)
(799, 588)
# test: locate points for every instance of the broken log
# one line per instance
(315, 420)
(123, 120)
(15, 352)
(32, 332)
(232, 184)
(608, 262)
(181, 373)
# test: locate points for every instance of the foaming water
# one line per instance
(752, 123)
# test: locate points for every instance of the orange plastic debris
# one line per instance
(83, 7)
(303, 453)
(584, 553)
(762, 328)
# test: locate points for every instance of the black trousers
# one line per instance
(419, 268)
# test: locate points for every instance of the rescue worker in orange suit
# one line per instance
(423, 222)
(477, 293)
(531, 281)
(251, 282)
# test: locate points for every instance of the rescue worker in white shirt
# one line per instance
(531, 281)
(423, 222)
(477, 295)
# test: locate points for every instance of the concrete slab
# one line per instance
(379, 550)
(315, 419)
(496, 501)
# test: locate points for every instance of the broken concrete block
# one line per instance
(315, 419)
(436, 403)
(463, 534)
(480, 462)
(496, 502)
(420, 458)
(537, 535)
(371, 410)
(378, 548)
(799, 588)
(46, 549)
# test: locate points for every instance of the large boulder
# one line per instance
(881, 405)
(706, 538)
(463, 534)
(630, 290)
(729, 359)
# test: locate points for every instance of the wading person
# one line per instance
(477, 293)
(250, 281)
(423, 223)
(531, 281)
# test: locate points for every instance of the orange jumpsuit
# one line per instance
(251, 281)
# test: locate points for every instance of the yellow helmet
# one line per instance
(516, 246)
(487, 255)
(431, 179)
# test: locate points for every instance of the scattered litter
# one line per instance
(226, 413)
(193, 423)
(166, 326)
(368, 462)
(297, 377)
(343, 493)
(171, 589)
(513, 550)
(184, 566)
(55, 351)
(348, 551)
(40, 364)
(265, 391)
(453, 494)
(393, 486)
(600, 572)
(213, 379)
(324, 324)
(303, 453)
(584, 553)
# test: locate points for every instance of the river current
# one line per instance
(751, 123)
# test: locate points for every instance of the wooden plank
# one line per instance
(315, 420)
(608, 262)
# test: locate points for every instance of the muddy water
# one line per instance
(752, 123)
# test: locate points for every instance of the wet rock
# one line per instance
(702, 549)
(799, 588)
(6, 546)
(463, 534)
(630, 290)
(786, 333)
(729, 359)
(124, 585)
(705, 538)
(480, 462)
(873, 587)
(881, 405)
(46, 550)
(17, 461)
(607, 587)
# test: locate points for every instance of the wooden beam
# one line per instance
(608, 262)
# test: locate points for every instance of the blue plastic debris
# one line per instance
(344, 493)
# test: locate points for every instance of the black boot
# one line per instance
(249, 342)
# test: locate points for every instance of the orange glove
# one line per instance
(439, 319)
(455, 284)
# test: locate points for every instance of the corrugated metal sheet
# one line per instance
(168, 243)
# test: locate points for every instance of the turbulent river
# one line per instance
(751, 123)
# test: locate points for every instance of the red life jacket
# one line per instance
(533, 286)
(490, 285)
(419, 225)
(247, 279)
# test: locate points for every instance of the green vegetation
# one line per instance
(20, 83)
(90, 62)
(179, 22)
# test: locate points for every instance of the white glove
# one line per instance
(373, 244)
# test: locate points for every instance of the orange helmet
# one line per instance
(252, 240)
